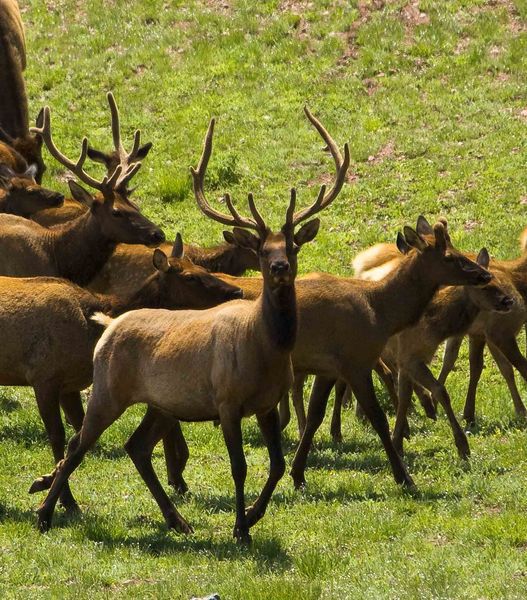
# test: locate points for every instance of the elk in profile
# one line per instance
(21, 195)
(78, 249)
(57, 362)
(15, 137)
(226, 363)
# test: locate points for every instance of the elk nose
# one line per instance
(280, 266)
(157, 237)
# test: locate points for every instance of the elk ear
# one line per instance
(423, 226)
(177, 249)
(402, 246)
(414, 239)
(246, 239)
(307, 232)
(143, 151)
(80, 194)
(39, 121)
(440, 235)
(160, 261)
(483, 258)
(31, 171)
(97, 156)
(229, 238)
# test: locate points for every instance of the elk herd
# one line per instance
(91, 294)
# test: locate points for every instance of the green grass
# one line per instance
(432, 107)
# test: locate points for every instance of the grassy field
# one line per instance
(432, 98)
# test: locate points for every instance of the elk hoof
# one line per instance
(179, 524)
(242, 537)
(41, 484)
(44, 517)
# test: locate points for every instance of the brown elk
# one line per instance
(451, 312)
(21, 195)
(78, 249)
(497, 330)
(15, 137)
(334, 312)
(226, 363)
(57, 362)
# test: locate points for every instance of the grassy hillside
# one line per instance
(431, 97)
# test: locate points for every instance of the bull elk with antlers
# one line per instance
(226, 363)
(78, 249)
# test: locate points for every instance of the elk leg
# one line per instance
(362, 386)
(72, 406)
(336, 417)
(401, 422)
(95, 423)
(176, 457)
(270, 428)
(450, 355)
(507, 372)
(285, 411)
(47, 396)
(426, 401)
(297, 393)
(232, 434)
(316, 410)
(422, 374)
(386, 376)
(476, 347)
(140, 447)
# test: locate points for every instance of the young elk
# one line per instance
(78, 249)
(21, 195)
(226, 363)
(58, 362)
(451, 312)
(15, 138)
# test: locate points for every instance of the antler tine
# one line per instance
(198, 177)
(290, 209)
(341, 165)
(74, 167)
(124, 178)
(126, 158)
(254, 211)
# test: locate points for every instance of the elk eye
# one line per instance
(117, 213)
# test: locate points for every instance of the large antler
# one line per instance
(234, 219)
(119, 178)
(341, 165)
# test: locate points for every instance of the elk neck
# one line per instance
(279, 314)
(401, 297)
(223, 258)
(80, 248)
(451, 312)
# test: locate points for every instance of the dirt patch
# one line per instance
(297, 7)
(471, 224)
(385, 153)
(219, 6)
(366, 9)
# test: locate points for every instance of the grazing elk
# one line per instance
(225, 363)
(21, 195)
(78, 249)
(48, 336)
(15, 138)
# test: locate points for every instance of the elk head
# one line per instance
(23, 196)
(120, 219)
(184, 284)
(276, 251)
(495, 295)
(438, 256)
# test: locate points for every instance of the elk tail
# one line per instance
(101, 319)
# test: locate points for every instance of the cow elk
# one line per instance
(21, 195)
(58, 362)
(226, 363)
(78, 249)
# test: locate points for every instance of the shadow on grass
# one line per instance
(28, 433)
(9, 405)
